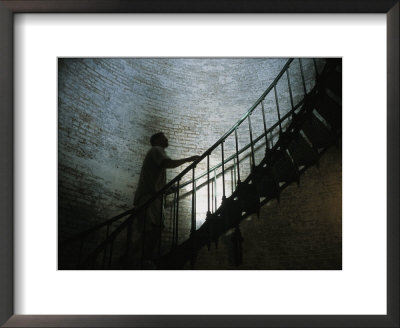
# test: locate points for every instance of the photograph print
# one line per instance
(199, 163)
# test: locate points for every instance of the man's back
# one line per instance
(152, 176)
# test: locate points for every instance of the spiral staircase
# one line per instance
(302, 136)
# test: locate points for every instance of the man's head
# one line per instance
(159, 139)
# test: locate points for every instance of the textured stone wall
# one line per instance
(108, 109)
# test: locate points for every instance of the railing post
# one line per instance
(80, 251)
(315, 67)
(215, 190)
(251, 143)
(105, 248)
(212, 195)
(302, 76)
(93, 261)
(290, 90)
(232, 179)
(193, 227)
(144, 236)
(128, 236)
(195, 202)
(277, 109)
(208, 184)
(173, 220)
(237, 156)
(103, 264)
(223, 170)
(108, 230)
(161, 223)
(177, 213)
(265, 124)
(111, 253)
(234, 171)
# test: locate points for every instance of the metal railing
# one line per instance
(210, 173)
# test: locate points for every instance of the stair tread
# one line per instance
(302, 152)
(318, 134)
(330, 111)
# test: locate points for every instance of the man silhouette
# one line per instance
(153, 179)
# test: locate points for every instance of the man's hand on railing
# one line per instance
(173, 163)
(193, 158)
(171, 190)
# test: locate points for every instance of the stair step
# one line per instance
(318, 134)
(231, 212)
(332, 77)
(216, 224)
(285, 169)
(267, 183)
(330, 111)
(248, 197)
(302, 152)
(334, 97)
(334, 82)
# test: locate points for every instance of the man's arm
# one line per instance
(173, 163)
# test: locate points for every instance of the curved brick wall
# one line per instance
(108, 109)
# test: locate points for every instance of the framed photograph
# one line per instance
(87, 87)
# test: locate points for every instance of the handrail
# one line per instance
(193, 164)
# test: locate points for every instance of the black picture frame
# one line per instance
(10, 7)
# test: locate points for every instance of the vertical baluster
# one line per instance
(234, 170)
(177, 214)
(277, 109)
(93, 261)
(195, 203)
(105, 248)
(265, 124)
(111, 253)
(290, 89)
(104, 257)
(212, 195)
(80, 251)
(161, 223)
(144, 235)
(215, 190)
(223, 170)
(302, 76)
(237, 157)
(173, 220)
(193, 228)
(315, 67)
(108, 230)
(208, 184)
(232, 179)
(128, 235)
(251, 143)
